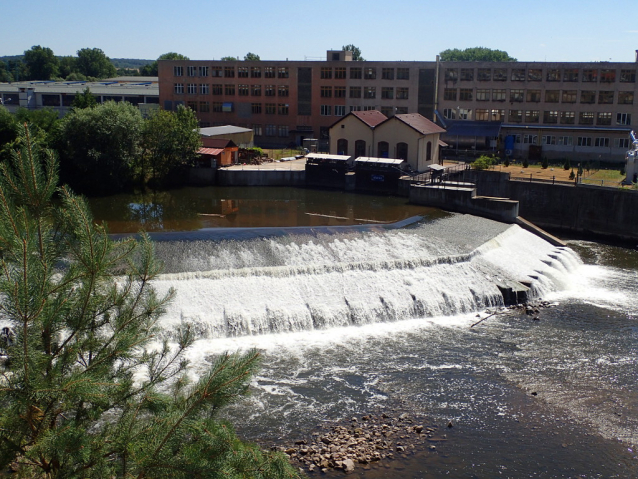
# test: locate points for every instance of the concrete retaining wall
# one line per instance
(261, 177)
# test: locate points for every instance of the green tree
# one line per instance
(41, 63)
(92, 62)
(8, 132)
(5, 74)
(229, 59)
(86, 99)
(151, 69)
(356, 52)
(84, 393)
(44, 119)
(99, 146)
(67, 66)
(483, 162)
(170, 140)
(476, 54)
(251, 57)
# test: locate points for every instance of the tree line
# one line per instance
(108, 148)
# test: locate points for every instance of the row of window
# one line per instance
(229, 71)
(604, 75)
(535, 96)
(534, 116)
(597, 142)
(400, 150)
(284, 108)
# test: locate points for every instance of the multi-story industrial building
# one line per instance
(524, 109)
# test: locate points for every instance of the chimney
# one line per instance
(636, 56)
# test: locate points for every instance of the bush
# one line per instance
(525, 163)
(572, 175)
(506, 163)
(483, 162)
(567, 165)
(544, 163)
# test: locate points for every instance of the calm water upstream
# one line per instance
(352, 322)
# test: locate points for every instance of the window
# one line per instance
(283, 130)
(179, 88)
(369, 92)
(402, 93)
(623, 118)
(467, 74)
(204, 106)
(342, 146)
(584, 141)
(178, 71)
(203, 71)
(340, 73)
(515, 116)
(625, 97)
(570, 75)
(217, 106)
(387, 93)
(553, 74)
(269, 90)
(282, 109)
(242, 72)
(355, 108)
(466, 94)
(621, 143)
(256, 90)
(603, 119)
(567, 117)
(518, 74)
(533, 96)
(517, 138)
(326, 73)
(590, 75)
(192, 89)
(355, 73)
(243, 90)
(551, 96)
(448, 114)
(402, 151)
(451, 74)
(449, 94)
(326, 92)
(326, 110)
(550, 116)
(403, 73)
(229, 72)
(534, 74)
(229, 89)
(498, 115)
(383, 149)
(586, 118)
(216, 71)
(605, 97)
(482, 115)
(498, 95)
(255, 108)
(218, 89)
(500, 74)
(269, 72)
(565, 140)
(530, 139)
(587, 96)
(283, 90)
(569, 96)
(601, 142)
(271, 108)
(282, 72)
(387, 73)
(355, 92)
(359, 148)
(369, 73)
(255, 72)
(464, 113)
(548, 140)
(257, 130)
(607, 76)
(204, 89)
(340, 91)
(484, 74)
(483, 95)
(191, 71)
(387, 111)
(402, 110)
(271, 130)
(517, 95)
(627, 76)
(532, 116)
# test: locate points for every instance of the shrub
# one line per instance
(567, 165)
(483, 162)
(544, 163)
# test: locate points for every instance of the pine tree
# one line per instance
(86, 387)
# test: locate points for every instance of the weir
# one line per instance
(301, 282)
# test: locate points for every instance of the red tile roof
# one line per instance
(210, 151)
(419, 123)
(371, 118)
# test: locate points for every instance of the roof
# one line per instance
(371, 117)
(473, 128)
(420, 123)
(72, 87)
(222, 130)
(320, 156)
(436, 167)
(387, 161)
(210, 151)
(442, 143)
(219, 143)
(623, 129)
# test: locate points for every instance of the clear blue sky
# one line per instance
(541, 30)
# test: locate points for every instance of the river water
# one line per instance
(355, 321)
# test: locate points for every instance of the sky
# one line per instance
(403, 30)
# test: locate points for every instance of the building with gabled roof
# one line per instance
(353, 135)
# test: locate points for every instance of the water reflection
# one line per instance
(191, 209)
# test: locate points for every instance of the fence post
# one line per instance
(553, 179)
(530, 177)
